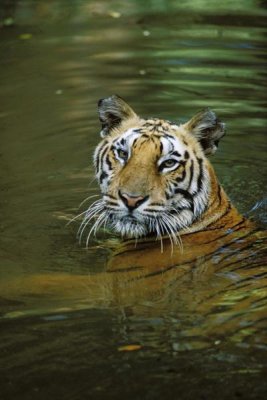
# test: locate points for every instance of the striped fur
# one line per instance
(163, 164)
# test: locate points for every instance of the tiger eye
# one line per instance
(169, 163)
(123, 154)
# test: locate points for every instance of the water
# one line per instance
(64, 322)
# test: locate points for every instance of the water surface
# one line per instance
(60, 338)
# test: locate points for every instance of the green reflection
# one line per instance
(169, 59)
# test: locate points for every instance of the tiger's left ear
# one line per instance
(112, 111)
(207, 129)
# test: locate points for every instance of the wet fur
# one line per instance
(185, 199)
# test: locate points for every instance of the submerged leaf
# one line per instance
(130, 347)
(25, 36)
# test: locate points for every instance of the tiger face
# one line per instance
(154, 175)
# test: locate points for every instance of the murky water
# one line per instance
(62, 336)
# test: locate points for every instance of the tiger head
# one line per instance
(153, 174)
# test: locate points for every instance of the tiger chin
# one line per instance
(155, 177)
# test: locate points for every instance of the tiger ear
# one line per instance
(207, 129)
(112, 111)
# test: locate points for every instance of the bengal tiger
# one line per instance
(184, 248)
(157, 183)
(155, 177)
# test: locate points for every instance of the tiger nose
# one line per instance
(132, 201)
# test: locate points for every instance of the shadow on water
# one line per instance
(66, 320)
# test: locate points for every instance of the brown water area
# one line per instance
(115, 319)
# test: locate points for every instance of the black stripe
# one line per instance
(222, 268)
(175, 153)
(221, 227)
(135, 140)
(109, 196)
(186, 155)
(247, 235)
(191, 174)
(100, 155)
(222, 236)
(168, 136)
(188, 196)
(240, 285)
(234, 253)
(147, 210)
(200, 176)
(232, 287)
(97, 163)
(161, 272)
(124, 269)
(167, 195)
(180, 209)
(104, 152)
(219, 194)
(102, 145)
(252, 264)
(113, 203)
(108, 162)
(227, 210)
(181, 178)
(102, 176)
(185, 193)
(252, 277)
(238, 226)
(237, 251)
(262, 299)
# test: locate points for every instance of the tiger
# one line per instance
(182, 247)
(155, 176)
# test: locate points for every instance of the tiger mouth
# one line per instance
(126, 219)
(129, 225)
(132, 224)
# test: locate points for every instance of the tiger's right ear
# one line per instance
(207, 129)
(112, 111)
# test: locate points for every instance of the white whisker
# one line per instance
(95, 226)
(88, 218)
(88, 198)
(165, 227)
(174, 231)
(106, 220)
(84, 212)
(76, 217)
(93, 210)
(159, 236)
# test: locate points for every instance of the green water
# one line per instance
(167, 59)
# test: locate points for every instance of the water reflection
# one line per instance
(61, 310)
(221, 292)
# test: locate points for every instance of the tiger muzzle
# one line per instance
(132, 201)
